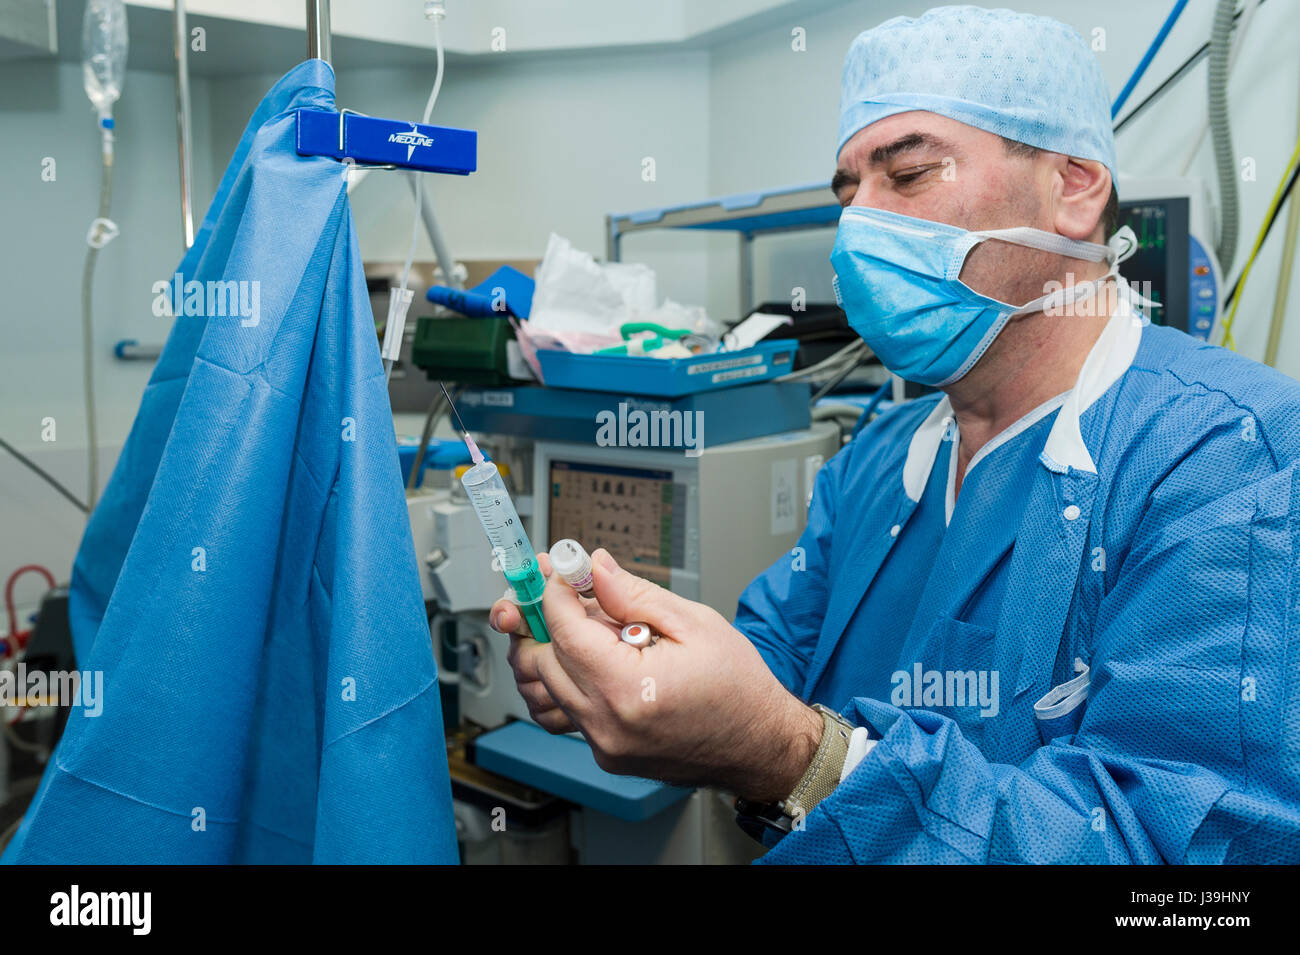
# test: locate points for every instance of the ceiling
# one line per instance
(253, 36)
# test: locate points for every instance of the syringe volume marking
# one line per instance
(509, 542)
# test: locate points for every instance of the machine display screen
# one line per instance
(637, 514)
(1159, 267)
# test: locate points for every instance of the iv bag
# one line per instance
(103, 53)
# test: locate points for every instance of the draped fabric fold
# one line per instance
(247, 585)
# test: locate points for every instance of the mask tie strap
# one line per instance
(1048, 242)
(1122, 244)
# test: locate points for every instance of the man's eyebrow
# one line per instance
(841, 179)
(882, 154)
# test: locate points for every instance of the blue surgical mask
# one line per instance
(898, 280)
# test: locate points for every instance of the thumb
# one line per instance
(629, 599)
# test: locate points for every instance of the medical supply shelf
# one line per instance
(749, 214)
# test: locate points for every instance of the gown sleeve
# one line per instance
(781, 611)
(1188, 750)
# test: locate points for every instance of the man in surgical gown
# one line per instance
(1058, 600)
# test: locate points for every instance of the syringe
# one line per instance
(510, 544)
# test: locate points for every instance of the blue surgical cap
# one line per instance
(1028, 78)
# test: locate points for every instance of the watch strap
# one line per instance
(818, 781)
(823, 773)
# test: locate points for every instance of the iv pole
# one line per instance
(183, 121)
(318, 46)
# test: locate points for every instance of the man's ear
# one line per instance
(1084, 190)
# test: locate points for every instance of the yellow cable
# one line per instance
(1228, 341)
(1283, 284)
(1283, 279)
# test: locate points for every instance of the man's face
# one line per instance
(927, 166)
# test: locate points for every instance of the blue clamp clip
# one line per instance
(386, 143)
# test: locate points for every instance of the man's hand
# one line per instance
(698, 707)
(505, 617)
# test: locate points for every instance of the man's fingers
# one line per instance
(540, 679)
(578, 637)
(504, 617)
(536, 695)
(522, 656)
(629, 598)
(534, 663)
(564, 689)
(554, 721)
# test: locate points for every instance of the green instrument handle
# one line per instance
(628, 329)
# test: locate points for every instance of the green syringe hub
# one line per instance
(528, 586)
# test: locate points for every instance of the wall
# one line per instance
(561, 144)
(44, 113)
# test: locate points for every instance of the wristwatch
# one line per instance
(817, 782)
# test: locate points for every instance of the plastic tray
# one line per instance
(668, 377)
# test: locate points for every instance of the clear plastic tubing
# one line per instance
(510, 544)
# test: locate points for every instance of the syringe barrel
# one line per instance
(496, 512)
(510, 543)
(483, 477)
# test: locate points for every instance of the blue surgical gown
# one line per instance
(247, 586)
(1171, 569)
(973, 555)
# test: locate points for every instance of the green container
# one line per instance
(470, 351)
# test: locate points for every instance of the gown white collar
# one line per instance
(1110, 357)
